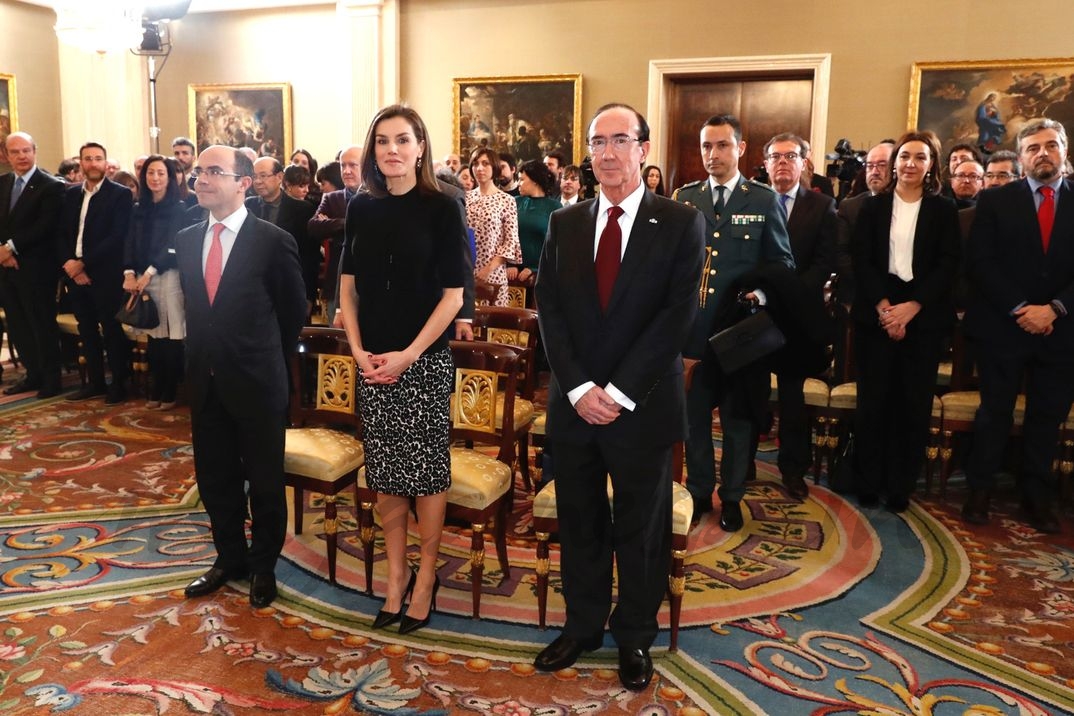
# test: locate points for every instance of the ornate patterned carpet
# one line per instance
(814, 608)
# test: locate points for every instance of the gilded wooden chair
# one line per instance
(323, 451)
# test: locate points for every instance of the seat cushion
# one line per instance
(477, 480)
(541, 418)
(937, 407)
(321, 453)
(816, 393)
(682, 505)
(962, 405)
(844, 396)
(67, 323)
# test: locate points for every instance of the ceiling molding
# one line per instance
(207, 6)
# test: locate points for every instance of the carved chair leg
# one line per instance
(365, 534)
(542, 578)
(945, 462)
(676, 587)
(331, 531)
(300, 506)
(477, 564)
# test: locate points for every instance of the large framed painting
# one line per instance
(9, 119)
(985, 103)
(525, 116)
(247, 115)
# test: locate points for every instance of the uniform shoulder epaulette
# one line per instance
(754, 182)
(691, 185)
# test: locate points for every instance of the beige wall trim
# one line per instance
(662, 71)
(374, 58)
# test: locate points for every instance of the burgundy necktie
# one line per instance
(214, 263)
(609, 252)
(1046, 215)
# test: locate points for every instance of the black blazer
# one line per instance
(847, 216)
(243, 339)
(31, 223)
(936, 256)
(812, 227)
(293, 217)
(636, 344)
(1007, 266)
(104, 234)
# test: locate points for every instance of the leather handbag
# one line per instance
(747, 342)
(139, 312)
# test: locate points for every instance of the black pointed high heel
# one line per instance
(409, 623)
(384, 618)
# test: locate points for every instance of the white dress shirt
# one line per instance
(232, 224)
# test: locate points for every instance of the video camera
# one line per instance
(845, 162)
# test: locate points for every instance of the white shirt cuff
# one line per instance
(575, 395)
(620, 397)
(762, 300)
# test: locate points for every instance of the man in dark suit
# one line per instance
(93, 229)
(613, 328)
(245, 306)
(292, 215)
(877, 175)
(1020, 257)
(745, 230)
(812, 226)
(30, 203)
(329, 219)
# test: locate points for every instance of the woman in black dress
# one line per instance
(402, 278)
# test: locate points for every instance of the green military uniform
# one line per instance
(750, 231)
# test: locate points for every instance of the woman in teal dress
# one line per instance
(536, 202)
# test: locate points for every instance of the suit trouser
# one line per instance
(795, 445)
(29, 298)
(709, 390)
(896, 385)
(1049, 383)
(639, 537)
(230, 449)
(96, 305)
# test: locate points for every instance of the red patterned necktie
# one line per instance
(214, 263)
(1046, 215)
(609, 252)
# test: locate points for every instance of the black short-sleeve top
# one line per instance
(402, 251)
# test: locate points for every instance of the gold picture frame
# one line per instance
(242, 115)
(526, 116)
(9, 115)
(986, 102)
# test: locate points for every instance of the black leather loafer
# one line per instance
(23, 386)
(975, 511)
(635, 668)
(564, 651)
(731, 517)
(702, 506)
(210, 582)
(262, 589)
(796, 486)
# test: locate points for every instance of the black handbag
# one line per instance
(747, 342)
(139, 312)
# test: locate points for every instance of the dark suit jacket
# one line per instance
(31, 223)
(847, 216)
(1007, 266)
(935, 259)
(241, 341)
(635, 344)
(333, 206)
(812, 227)
(104, 234)
(467, 310)
(293, 217)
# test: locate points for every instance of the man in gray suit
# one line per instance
(745, 230)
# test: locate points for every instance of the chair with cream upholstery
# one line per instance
(816, 393)
(482, 487)
(323, 452)
(546, 523)
(516, 327)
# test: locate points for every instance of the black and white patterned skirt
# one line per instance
(407, 429)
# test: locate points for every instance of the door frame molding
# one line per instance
(661, 72)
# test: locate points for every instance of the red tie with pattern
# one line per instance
(214, 263)
(1046, 215)
(609, 252)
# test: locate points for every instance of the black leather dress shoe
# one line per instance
(796, 486)
(868, 500)
(564, 651)
(731, 517)
(702, 506)
(86, 392)
(262, 589)
(23, 386)
(48, 391)
(975, 511)
(1041, 517)
(897, 503)
(210, 582)
(635, 668)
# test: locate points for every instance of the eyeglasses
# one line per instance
(776, 156)
(869, 166)
(619, 142)
(213, 172)
(999, 175)
(263, 177)
(967, 177)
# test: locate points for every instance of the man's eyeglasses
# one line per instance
(264, 177)
(869, 166)
(213, 172)
(776, 156)
(618, 142)
(967, 177)
(999, 175)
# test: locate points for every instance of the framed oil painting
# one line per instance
(9, 119)
(525, 116)
(985, 103)
(247, 115)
